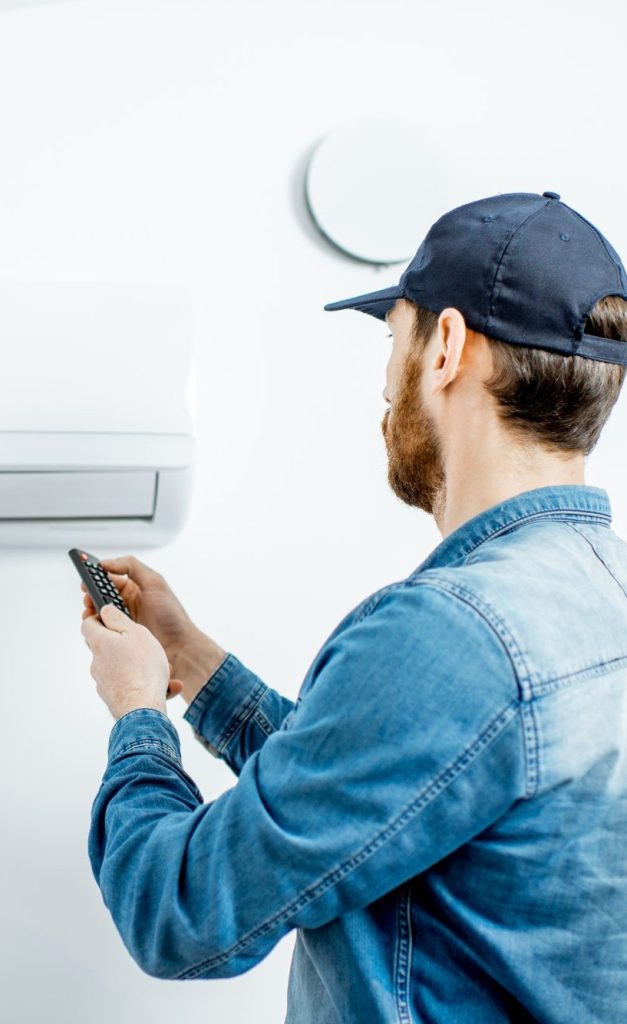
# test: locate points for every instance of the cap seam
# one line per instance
(533, 213)
(601, 240)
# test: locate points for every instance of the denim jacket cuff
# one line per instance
(144, 729)
(225, 703)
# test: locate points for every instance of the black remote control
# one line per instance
(100, 586)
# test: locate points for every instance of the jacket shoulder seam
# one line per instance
(485, 611)
(515, 656)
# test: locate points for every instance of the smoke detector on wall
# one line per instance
(371, 188)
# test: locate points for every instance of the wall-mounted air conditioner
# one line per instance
(96, 415)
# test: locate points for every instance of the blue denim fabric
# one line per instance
(442, 813)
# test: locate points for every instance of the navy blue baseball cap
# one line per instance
(521, 267)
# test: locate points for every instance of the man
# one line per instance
(442, 813)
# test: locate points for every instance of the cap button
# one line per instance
(551, 195)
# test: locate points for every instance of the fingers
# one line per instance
(91, 628)
(174, 688)
(116, 578)
(128, 565)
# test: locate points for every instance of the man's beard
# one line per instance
(415, 466)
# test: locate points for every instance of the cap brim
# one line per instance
(375, 303)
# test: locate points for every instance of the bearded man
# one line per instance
(441, 815)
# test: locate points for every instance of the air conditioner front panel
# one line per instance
(79, 495)
(96, 425)
(95, 356)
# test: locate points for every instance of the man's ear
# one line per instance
(451, 334)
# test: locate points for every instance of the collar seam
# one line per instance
(568, 513)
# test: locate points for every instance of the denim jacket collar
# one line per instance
(580, 502)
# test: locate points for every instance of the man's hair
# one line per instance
(559, 402)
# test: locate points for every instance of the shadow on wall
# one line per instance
(304, 217)
(69, 987)
(300, 208)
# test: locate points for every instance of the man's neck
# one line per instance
(471, 490)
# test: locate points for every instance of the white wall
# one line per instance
(165, 141)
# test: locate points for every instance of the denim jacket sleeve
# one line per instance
(407, 743)
(235, 712)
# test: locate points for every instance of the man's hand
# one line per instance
(129, 664)
(193, 656)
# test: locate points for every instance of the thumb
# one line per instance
(114, 619)
(175, 687)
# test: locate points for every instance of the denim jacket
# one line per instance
(441, 814)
